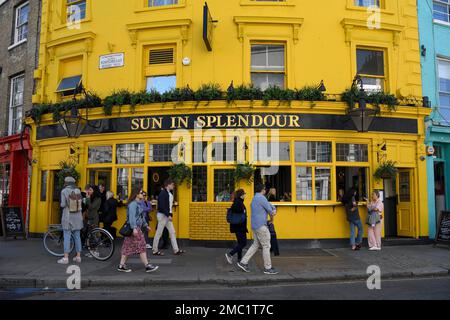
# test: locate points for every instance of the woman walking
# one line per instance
(375, 210)
(72, 219)
(240, 229)
(135, 244)
(146, 207)
(351, 209)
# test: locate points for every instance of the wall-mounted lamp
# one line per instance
(322, 87)
(423, 51)
(362, 116)
(426, 102)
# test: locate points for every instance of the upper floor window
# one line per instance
(16, 104)
(161, 69)
(370, 66)
(159, 3)
(444, 89)
(76, 10)
(441, 10)
(367, 3)
(268, 65)
(21, 23)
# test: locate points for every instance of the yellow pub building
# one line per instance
(153, 46)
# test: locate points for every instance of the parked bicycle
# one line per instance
(99, 242)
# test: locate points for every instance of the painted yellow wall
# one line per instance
(321, 40)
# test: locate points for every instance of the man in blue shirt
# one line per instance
(261, 208)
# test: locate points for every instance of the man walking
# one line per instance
(261, 207)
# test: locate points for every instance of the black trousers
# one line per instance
(241, 238)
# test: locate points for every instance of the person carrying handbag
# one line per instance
(240, 229)
(134, 243)
(374, 217)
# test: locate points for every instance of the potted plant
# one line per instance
(67, 169)
(179, 173)
(244, 171)
(386, 170)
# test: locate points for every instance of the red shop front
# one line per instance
(15, 153)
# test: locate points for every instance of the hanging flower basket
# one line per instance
(244, 171)
(386, 170)
(179, 173)
(67, 169)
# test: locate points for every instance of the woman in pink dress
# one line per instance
(374, 218)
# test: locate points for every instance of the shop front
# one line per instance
(306, 157)
(15, 154)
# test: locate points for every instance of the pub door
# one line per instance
(54, 189)
(390, 207)
(156, 178)
(405, 204)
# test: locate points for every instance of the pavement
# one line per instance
(26, 264)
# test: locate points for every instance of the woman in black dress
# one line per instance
(240, 230)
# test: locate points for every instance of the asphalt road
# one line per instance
(403, 289)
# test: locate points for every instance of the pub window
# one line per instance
(200, 151)
(21, 23)
(223, 184)
(100, 154)
(311, 151)
(57, 188)
(166, 152)
(322, 180)
(268, 65)
(304, 183)
(130, 153)
(70, 75)
(370, 66)
(159, 3)
(199, 184)
(161, 69)
(367, 3)
(277, 182)
(272, 151)
(441, 10)
(43, 192)
(5, 173)
(350, 152)
(76, 10)
(127, 180)
(352, 177)
(444, 89)
(224, 151)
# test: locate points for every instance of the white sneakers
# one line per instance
(375, 249)
(63, 261)
(148, 246)
(229, 258)
(77, 259)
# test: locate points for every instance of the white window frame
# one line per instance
(268, 69)
(448, 12)
(151, 3)
(368, 6)
(11, 108)
(18, 41)
(75, 3)
(446, 121)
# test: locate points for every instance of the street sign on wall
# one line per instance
(113, 60)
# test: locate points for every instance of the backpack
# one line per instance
(75, 202)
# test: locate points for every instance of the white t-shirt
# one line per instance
(170, 201)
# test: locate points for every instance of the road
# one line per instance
(404, 289)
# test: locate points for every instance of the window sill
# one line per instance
(72, 27)
(14, 45)
(365, 9)
(287, 3)
(147, 9)
(441, 23)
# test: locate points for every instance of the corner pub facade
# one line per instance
(156, 45)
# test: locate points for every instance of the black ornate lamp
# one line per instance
(73, 123)
(361, 116)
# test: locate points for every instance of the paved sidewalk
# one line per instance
(27, 264)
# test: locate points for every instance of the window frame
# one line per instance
(75, 2)
(385, 77)
(15, 39)
(288, 3)
(11, 107)
(163, 69)
(448, 12)
(269, 43)
(440, 59)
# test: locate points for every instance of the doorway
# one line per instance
(405, 209)
(439, 189)
(55, 211)
(390, 207)
(156, 178)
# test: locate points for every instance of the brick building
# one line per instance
(20, 25)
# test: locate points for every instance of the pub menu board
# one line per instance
(12, 222)
(443, 231)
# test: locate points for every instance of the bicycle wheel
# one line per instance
(100, 244)
(54, 242)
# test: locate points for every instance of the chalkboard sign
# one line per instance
(12, 222)
(443, 231)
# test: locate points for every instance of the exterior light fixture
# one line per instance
(362, 116)
(322, 87)
(73, 123)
